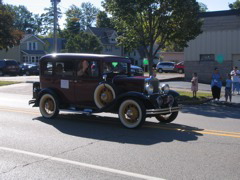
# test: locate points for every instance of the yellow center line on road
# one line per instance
(165, 127)
(18, 111)
(211, 132)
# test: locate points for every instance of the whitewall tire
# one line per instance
(132, 113)
(103, 95)
(48, 106)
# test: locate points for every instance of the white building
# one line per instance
(218, 45)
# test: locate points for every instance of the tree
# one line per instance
(203, 7)
(9, 36)
(83, 43)
(86, 14)
(72, 28)
(103, 21)
(148, 23)
(48, 19)
(23, 19)
(235, 5)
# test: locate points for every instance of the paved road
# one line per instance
(203, 143)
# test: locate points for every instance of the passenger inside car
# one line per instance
(82, 68)
(59, 69)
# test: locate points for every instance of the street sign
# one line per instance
(145, 61)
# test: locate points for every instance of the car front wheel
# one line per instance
(167, 118)
(48, 106)
(132, 113)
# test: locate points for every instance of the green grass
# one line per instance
(186, 97)
(4, 83)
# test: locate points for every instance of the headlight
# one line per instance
(149, 88)
(164, 87)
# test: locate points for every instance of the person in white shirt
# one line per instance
(235, 73)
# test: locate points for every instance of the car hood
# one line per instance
(130, 83)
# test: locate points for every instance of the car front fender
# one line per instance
(173, 93)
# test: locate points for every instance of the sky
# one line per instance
(37, 6)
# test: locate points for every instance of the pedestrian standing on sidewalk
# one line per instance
(216, 84)
(228, 88)
(235, 73)
(194, 86)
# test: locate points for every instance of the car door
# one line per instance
(64, 80)
(87, 79)
(169, 66)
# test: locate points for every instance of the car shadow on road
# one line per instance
(110, 129)
(213, 110)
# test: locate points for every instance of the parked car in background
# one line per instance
(9, 67)
(95, 83)
(165, 67)
(179, 67)
(136, 71)
(29, 69)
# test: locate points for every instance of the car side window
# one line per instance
(88, 68)
(47, 68)
(115, 67)
(94, 66)
(64, 68)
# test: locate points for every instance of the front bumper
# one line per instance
(163, 110)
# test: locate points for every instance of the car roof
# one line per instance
(167, 62)
(77, 56)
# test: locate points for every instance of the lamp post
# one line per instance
(55, 24)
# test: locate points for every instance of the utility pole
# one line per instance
(55, 24)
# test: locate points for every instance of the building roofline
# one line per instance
(235, 12)
(32, 35)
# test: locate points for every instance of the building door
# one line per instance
(236, 60)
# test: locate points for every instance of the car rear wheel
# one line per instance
(48, 106)
(1, 73)
(160, 70)
(180, 71)
(132, 113)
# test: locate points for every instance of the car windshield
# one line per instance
(115, 68)
(10, 63)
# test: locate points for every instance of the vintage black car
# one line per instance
(90, 83)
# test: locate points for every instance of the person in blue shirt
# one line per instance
(228, 88)
(216, 84)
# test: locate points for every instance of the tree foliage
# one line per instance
(235, 5)
(86, 14)
(103, 21)
(148, 23)
(203, 7)
(83, 43)
(47, 19)
(9, 36)
(72, 28)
